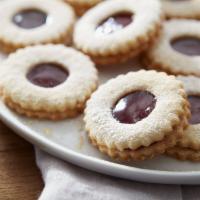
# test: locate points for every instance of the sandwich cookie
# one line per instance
(177, 51)
(188, 146)
(25, 23)
(137, 116)
(116, 30)
(49, 81)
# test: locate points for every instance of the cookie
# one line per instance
(117, 30)
(49, 81)
(177, 51)
(181, 8)
(25, 23)
(137, 116)
(81, 6)
(188, 146)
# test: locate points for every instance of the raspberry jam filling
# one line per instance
(114, 23)
(31, 18)
(195, 109)
(134, 107)
(187, 45)
(47, 75)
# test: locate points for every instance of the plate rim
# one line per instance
(97, 164)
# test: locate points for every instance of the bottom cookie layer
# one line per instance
(120, 58)
(152, 64)
(8, 47)
(42, 114)
(184, 154)
(160, 67)
(143, 153)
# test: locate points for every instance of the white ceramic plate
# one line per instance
(67, 140)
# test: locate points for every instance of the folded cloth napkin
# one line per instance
(64, 181)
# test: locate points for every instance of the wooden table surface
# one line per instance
(19, 177)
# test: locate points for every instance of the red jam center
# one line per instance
(29, 19)
(195, 109)
(47, 75)
(134, 107)
(115, 23)
(187, 45)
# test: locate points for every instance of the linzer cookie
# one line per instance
(188, 146)
(181, 8)
(32, 22)
(137, 116)
(116, 30)
(178, 49)
(81, 6)
(50, 81)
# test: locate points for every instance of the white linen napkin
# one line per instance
(64, 181)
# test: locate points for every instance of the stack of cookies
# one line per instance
(53, 48)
